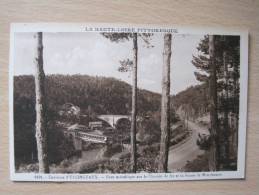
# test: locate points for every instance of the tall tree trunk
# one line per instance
(134, 105)
(226, 110)
(41, 134)
(236, 94)
(165, 106)
(213, 153)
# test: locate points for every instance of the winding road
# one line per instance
(187, 151)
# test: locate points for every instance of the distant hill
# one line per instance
(193, 100)
(102, 95)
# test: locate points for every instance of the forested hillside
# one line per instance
(103, 95)
(193, 101)
(97, 95)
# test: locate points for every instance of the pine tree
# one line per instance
(41, 128)
(165, 105)
(134, 105)
(213, 155)
(230, 95)
(226, 109)
(226, 61)
(127, 65)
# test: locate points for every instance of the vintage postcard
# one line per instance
(116, 102)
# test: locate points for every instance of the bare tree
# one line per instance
(41, 134)
(165, 106)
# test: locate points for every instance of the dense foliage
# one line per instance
(103, 95)
(225, 92)
(227, 59)
(98, 95)
(193, 100)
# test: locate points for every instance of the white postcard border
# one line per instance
(104, 27)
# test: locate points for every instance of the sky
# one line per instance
(92, 54)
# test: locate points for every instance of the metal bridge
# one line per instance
(78, 137)
(90, 137)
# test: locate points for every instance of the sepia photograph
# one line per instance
(116, 103)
